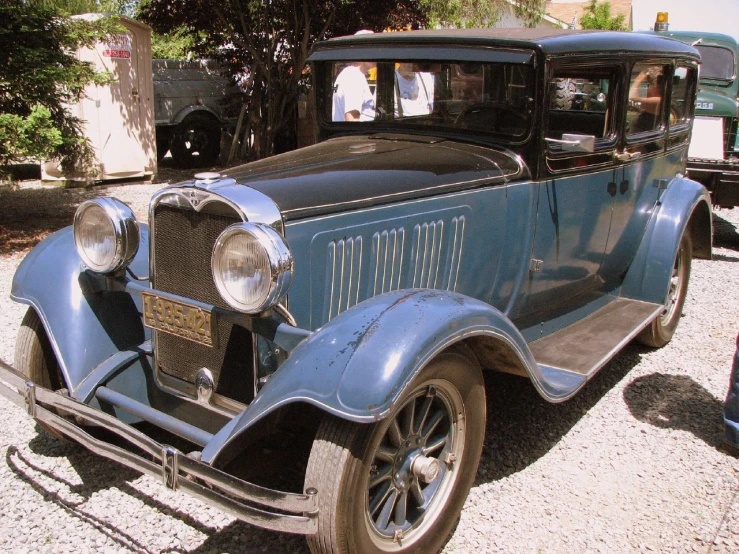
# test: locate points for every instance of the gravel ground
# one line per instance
(634, 463)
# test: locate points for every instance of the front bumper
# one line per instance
(275, 510)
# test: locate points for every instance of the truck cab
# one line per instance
(714, 151)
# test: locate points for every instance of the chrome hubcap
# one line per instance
(412, 464)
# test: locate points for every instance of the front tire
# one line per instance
(35, 359)
(660, 331)
(399, 485)
(34, 356)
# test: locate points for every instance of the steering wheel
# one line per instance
(488, 116)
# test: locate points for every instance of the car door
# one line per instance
(654, 144)
(577, 193)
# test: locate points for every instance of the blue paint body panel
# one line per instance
(84, 328)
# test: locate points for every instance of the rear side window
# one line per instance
(647, 90)
(683, 83)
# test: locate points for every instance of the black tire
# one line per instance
(196, 142)
(372, 494)
(162, 148)
(564, 94)
(660, 331)
(35, 359)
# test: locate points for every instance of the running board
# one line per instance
(571, 356)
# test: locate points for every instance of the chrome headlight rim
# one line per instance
(125, 235)
(280, 266)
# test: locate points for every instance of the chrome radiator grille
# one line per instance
(183, 241)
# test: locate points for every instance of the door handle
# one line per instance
(626, 156)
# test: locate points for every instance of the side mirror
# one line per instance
(571, 142)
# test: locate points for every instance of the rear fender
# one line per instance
(683, 203)
(358, 365)
(84, 328)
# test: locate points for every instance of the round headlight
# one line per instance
(252, 266)
(106, 234)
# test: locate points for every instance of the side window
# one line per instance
(580, 102)
(683, 85)
(647, 91)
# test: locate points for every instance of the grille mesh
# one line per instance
(183, 244)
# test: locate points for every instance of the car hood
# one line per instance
(715, 104)
(361, 171)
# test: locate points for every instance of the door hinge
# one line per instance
(535, 265)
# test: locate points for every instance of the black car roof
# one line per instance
(547, 41)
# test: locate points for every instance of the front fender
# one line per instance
(84, 328)
(648, 278)
(357, 365)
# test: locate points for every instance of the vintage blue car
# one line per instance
(506, 200)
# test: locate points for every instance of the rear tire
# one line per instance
(373, 495)
(660, 331)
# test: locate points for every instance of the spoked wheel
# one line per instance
(663, 327)
(399, 485)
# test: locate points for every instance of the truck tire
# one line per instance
(564, 94)
(197, 141)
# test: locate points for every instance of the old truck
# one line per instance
(193, 104)
(713, 157)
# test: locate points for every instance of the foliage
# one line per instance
(598, 16)
(75, 7)
(478, 13)
(265, 43)
(33, 136)
(176, 45)
(39, 76)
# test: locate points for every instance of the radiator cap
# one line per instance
(207, 176)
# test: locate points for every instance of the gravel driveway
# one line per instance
(634, 463)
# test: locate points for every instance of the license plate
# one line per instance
(178, 318)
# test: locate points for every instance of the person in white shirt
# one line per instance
(353, 100)
(415, 90)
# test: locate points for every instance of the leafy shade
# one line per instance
(479, 13)
(264, 44)
(177, 45)
(598, 16)
(39, 77)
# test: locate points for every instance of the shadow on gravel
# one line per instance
(98, 474)
(725, 234)
(677, 402)
(522, 427)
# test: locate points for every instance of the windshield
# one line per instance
(486, 98)
(716, 63)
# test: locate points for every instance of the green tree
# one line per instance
(265, 43)
(598, 16)
(39, 76)
(478, 13)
